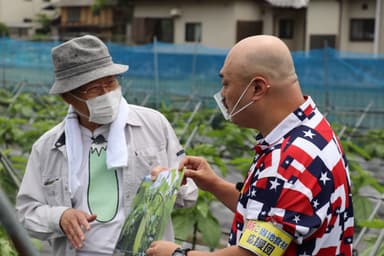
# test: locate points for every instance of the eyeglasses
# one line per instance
(99, 87)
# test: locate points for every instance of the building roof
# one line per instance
(289, 3)
(19, 25)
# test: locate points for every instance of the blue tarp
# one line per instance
(336, 80)
(173, 62)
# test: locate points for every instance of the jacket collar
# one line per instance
(133, 119)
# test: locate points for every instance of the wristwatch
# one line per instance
(181, 251)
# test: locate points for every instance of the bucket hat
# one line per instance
(81, 60)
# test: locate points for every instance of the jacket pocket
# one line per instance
(147, 159)
(53, 190)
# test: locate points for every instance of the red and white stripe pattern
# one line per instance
(299, 180)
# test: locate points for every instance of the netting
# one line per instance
(344, 84)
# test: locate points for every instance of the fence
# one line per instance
(348, 87)
(344, 85)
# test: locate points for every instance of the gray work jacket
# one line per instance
(44, 192)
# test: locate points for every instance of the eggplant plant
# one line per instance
(26, 116)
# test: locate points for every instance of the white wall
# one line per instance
(218, 29)
(322, 19)
(218, 18)
(13, 12)
(353, 9)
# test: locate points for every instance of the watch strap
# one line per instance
(184, 251)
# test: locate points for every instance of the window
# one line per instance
(193, 32)
(286, 28)
(362, 29)
(248, 28)
(322, 41)
(27, 20)
(144, 30)
(73, 14)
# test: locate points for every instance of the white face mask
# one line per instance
(224, 111)
(102, 109)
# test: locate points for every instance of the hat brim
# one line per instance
(69, 84)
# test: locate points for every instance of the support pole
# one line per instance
(16, 232)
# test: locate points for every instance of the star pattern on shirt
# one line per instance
(274, 184)
(296, 219)
(300, 113)
(315, 203)
(298, 158)
(324, 178)
(309, 134)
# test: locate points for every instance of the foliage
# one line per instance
(223, 144)
(27, 117)
(45, 23)
(373, 143)
(200, 219)
(6, 247)
(3, 30)
(371, 240)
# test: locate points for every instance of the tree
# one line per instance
(4, 32)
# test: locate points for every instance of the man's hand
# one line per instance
(156, 170)
(198, 169)
(161, 248)
(74, 222)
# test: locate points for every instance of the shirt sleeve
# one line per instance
(39, 219)
(288, 200)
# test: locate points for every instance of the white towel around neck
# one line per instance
(117, 152)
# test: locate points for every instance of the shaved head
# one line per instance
(262, 55)
(260, 67)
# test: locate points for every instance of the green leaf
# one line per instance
(362, 207)
(210, 230)
(375, 223)
(351, 147)
(202, 208)
(183, 221)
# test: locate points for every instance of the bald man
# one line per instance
(296, 199)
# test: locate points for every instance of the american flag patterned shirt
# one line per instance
(299, 180)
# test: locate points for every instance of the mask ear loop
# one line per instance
(82, 100)
(238, 111)
(238, 101)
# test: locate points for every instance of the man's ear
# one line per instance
(261, 86)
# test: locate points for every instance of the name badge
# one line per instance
(264, 239)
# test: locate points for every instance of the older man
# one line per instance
(296, 198)
(82, 174)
